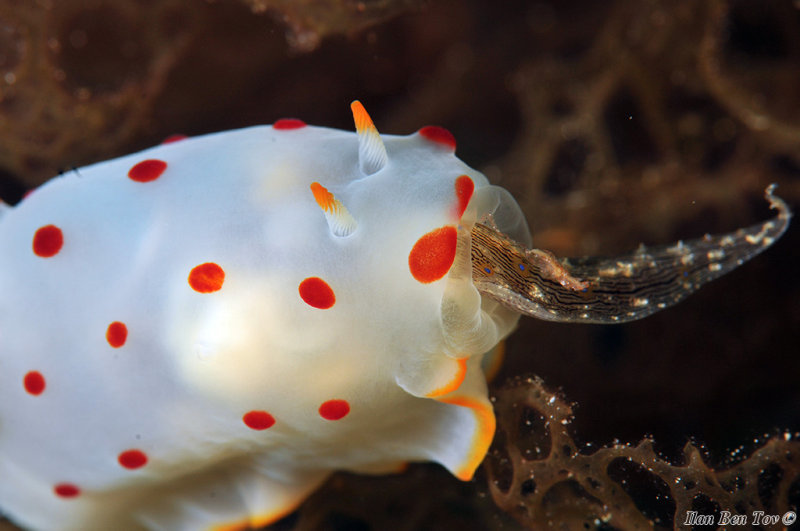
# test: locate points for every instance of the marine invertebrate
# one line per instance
(617, 289)
(228, 281)
(594, 89)
(250, 318)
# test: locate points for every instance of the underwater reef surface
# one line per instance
(612, 124)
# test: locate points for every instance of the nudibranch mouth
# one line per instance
(472, 324)
(616, 289)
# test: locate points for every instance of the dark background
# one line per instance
(612, 123)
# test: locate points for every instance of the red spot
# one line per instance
(66, 490)
(206, 278)
(439, 135)
(258, 420)
(47, 241)
(288, 123)
(432, 256)
(317, 293)
(147, 170)
(464, 189)
(174, 138)
(334, 409)
(132, 459)
(116, 334)
(34, 383)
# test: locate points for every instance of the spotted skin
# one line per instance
(195, 336)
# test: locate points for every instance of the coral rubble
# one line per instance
(542, 476)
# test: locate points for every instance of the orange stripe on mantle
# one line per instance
(454, 383)
(482, 438)
(257, 522)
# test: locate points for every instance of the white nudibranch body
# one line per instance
(195, 336)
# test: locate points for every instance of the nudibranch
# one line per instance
(195, 336)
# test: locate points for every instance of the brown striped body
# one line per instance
(617, 289)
